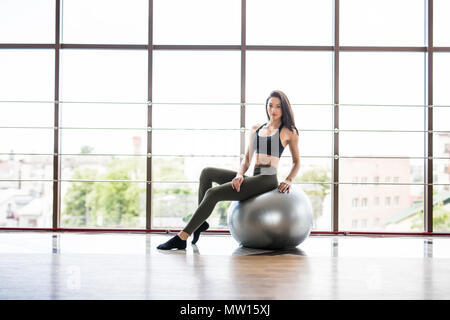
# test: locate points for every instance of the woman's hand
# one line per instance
(284, 186)
(236, 182)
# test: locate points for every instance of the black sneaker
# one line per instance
(173, 243)
(202, 228)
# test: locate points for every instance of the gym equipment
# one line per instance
(271, 220)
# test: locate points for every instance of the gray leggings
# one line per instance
(263, 180)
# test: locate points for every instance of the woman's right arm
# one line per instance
(237, 181)
(249, 154)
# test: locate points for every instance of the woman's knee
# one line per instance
(206, 172)
(211, 192)
(214, 193)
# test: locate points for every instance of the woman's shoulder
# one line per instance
(289, 133)
(256, 126)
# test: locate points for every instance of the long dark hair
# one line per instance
(287, 117)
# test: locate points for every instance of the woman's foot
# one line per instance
(203, 227)
(174, 243)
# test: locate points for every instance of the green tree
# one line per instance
(171, 200)
(320, 191)
(115, 203)
(119, 202)
(76, 208)
(168, 168)
(441, 217)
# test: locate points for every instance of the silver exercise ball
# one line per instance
(272, 220)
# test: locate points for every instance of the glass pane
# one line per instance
(196, 142)
(441, 23)
(255, 115)
(390, 208)
(440, 119)
(17, 166)
(441, 171)
(306, 117)
(26, 204)
(85, 167)
(27, 74)
(381, 170)
(313, 117)
(289, 22)
(190, 168)
(103, 115)
(441, 145)
(311, 170)
(382, 78)
(104, 21)
(305, 77)
(441, 208)
(196, 76)
(103, 204)
(196, 116)
(104, 75)
(381, 118)
(26, 140)
(382, 22)
(441, 78)
(320, 197)
(82, 141)
(26, 114)
(184, 22)
(27, 21)
(402, 144)
(175, 203)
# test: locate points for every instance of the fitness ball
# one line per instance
(271, 220)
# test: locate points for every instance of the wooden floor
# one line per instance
(67, 265)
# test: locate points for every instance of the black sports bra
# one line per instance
(270, 145)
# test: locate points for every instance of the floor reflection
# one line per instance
(243, 251)
(19, 242)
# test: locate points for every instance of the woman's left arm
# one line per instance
(293, 147)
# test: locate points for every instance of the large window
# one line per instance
(108, 118)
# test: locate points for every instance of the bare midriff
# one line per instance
(264, 160)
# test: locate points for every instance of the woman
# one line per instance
(236, 185)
